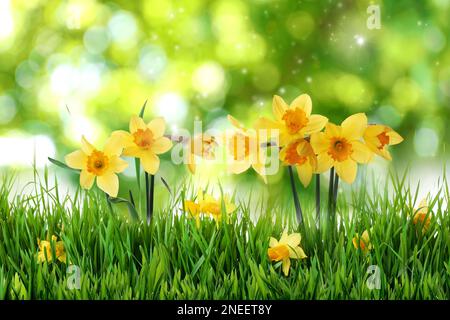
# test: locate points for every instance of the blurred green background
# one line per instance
(77, 67)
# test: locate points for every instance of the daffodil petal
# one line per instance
(284, 237)
(264, 123)
(286, 265)
(385, 154)
(273, 242)
(394, 137)
(109, 183)
(354, 126)
(157, 126)
(302, 102)
(374, 130)
(279, 107)
(76, 159)
(150, 162)
(293, 240)
(324, 162)
(319, 142)
(297, 253)
(332, 130)
(86, 147)
(136, 123)
(315, 124)
(161, 145)
(123, 137)
(305, 172)
(346, 170)
(133, 151)
(113, 146)
(117, 164)
(361, 153)
(86, 179)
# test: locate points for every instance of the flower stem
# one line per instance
(149, 195)
(335, 192)
(330, 192)
(318, 197)
(298, 209)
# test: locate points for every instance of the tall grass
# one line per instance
(173, 259)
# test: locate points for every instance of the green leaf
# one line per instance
(133, 212)
(141, 114)
(166, 185)
(62, 165)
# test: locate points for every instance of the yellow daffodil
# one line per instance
(340, 146)
(145, 141)
(422, 218)
(244, 147)
(203, 146)
(362, 242)
(45, 250)
(300, 154)
(207, 205)
(103, 165)
(213, 207)
(193, 209)
(286, 249)
(379, 137)
(293, 121)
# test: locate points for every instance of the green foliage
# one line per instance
(173, 259)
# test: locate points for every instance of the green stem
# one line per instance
(149, 195)
(330, 192)
(335, 192)
(298, 209)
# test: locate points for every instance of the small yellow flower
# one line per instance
(422, 218)
(293, 121)
(103, 165)
(244, 147)
(379, 137)
(207, 205)
(193, 209)
(286, 249)
(340, 146)
(145, 141)
(203, 146)
(45, 250)
(300, 154)
(362, 242)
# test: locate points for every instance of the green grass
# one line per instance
(172, 259)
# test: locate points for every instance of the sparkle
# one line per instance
(359, 40)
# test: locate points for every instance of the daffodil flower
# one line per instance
(193, 209)
(286, 249)
(362, 242)
(45, 250)
(244, 147)
(422, 218)
(300, 154)
(145, 141)
(340, 146)
(203, 146)
(293, 121)
(207, 205)
(102, 165)
(379, 137)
